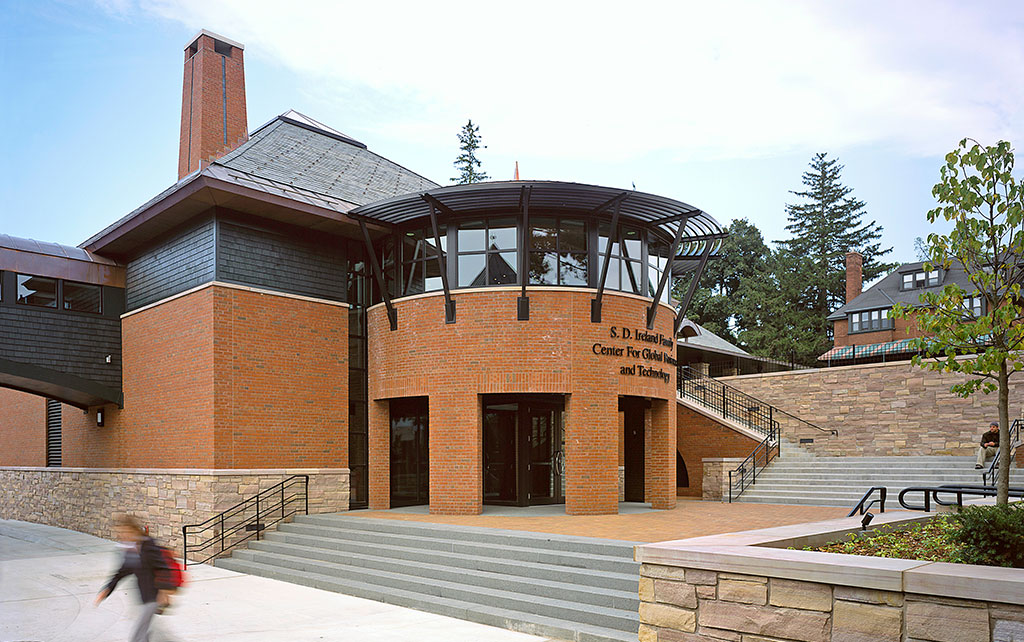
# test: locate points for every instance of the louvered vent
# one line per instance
(52, 432)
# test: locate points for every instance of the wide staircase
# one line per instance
(562, 587)
(842, 481)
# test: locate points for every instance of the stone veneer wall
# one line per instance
(688, 604)
(879, 409)
(715, 486)
(85, 499)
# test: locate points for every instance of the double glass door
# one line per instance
(524, 450)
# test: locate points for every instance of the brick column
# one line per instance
(456, 454)
(591, 454)
(661, 471)
(379, 438)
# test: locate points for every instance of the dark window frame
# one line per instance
(56, 291)
(64, 301)
(857, 320)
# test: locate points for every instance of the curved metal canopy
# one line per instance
(647, 210)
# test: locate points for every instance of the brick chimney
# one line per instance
(213, 118)
(854, 275)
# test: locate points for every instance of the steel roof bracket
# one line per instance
(652, 312)
(523, 302)
(681, 311)
(379, 276)
(442, 262)
(595, 303)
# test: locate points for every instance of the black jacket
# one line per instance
(144, 566)
(991, 435)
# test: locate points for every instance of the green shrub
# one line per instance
(990, 535)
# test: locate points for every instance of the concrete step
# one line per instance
(496, 536)
(560, 589)
(501, 616)
(571, 588)
(521, 553)
(512, 567)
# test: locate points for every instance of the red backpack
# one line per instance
(172, 577)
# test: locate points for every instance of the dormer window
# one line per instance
(922, 279)
(870, 321)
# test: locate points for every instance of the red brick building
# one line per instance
(295, 301)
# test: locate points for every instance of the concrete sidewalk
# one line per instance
(49, 578)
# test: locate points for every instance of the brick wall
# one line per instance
(489, 351)
(221, 377)
(22, 428)
(879, 409)
(700, 437)
(902, 329)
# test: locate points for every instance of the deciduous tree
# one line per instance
(979, 194)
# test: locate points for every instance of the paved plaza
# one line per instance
(634, 523)
(50, 576)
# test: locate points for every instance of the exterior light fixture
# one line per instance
(99, 417)
(108, 359)
(866, 520)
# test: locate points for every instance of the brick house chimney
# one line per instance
(854, 275)
(213, 118)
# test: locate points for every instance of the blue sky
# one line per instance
(720, 106)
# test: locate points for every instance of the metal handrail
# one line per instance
(862, 508)
(733, 403)
(988, 477)
(746, 473)
(931, 493)
(268, 507)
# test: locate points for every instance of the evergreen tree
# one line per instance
(725, 302)
(826, 226)
(467, 163)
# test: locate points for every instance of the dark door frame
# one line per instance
(634, 447)
(524, 403)
(420, 407)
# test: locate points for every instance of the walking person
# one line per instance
(989, 444)
(144, 559)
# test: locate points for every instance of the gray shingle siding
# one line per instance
(284, 263)
(181, 262)
(76, 344)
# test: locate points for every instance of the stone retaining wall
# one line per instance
(85, 499)
(747, 587)
(879, 409)
(715, 486)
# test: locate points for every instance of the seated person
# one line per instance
(989, 444)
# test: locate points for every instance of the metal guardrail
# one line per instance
(988, 477)
(745, 475)
(246, 519)
(745, 410)
(863, 507)
(931, 494)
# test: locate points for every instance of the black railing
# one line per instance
(727, 401)
(931, 494)
(734, 404)
(245, 520)
(864, 505)
(745, 475)
(988, 477)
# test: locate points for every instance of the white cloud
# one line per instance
(614, 79)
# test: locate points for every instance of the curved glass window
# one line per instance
(488, 252)
(625, 268)
(657, 261)
(420, 271)
(558, 252)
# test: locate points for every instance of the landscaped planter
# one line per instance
(754, 587)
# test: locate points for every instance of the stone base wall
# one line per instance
(715, 486)
(86, 499)
(879, 409)
(688, 604)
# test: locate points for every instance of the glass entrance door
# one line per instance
(410, 453)
(523, 450)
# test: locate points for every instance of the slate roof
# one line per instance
(887, 292)
(301, 159)
(298, 151)
(708, 340)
